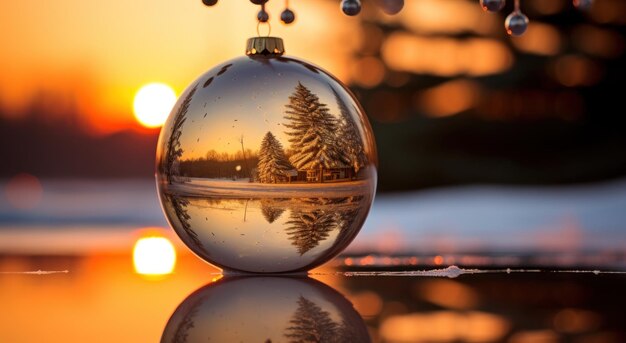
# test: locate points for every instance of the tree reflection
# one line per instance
(306, 229)
(187, 323)
(272, 209)
(348, 217)
(179, 206)
(311, 324)
(312, 219)
(305, 223)
(265, 309)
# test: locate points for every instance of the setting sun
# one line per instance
(154, 256)
(153, 103)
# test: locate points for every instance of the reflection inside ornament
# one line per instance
(266, 234)
(266, 164)
(265, 309)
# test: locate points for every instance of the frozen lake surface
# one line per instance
(578, 218)
(241, 188)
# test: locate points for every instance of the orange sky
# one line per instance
(95, 55)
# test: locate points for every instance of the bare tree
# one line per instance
(179, 205)
(174, 150)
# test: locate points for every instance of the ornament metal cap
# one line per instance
(265, 46)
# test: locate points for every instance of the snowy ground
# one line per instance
(242, 188)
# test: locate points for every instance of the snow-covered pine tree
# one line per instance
(272, 160)
(312, 131)
(350, 142)
(311, 324)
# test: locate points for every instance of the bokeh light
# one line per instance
(23, 191)
(445, 56)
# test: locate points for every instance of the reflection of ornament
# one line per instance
(265, 309)
(492, 5)
(306, 157)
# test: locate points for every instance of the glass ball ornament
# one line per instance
(516, 23)
(266, 164)
(351, 7)
(492, 5)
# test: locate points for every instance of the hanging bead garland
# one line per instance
(515, 23)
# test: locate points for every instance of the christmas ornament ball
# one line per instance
(266, 164)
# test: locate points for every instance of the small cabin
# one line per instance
(328, 175)
(289, 176)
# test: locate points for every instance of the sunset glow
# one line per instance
(154, 256)
(153, 103)
(97, 70)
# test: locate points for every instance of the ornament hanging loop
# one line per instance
(269, 28)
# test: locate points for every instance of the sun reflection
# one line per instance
(154, 256)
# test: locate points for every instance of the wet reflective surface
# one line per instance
(265, 309)
(266, 164)
(101, 299)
